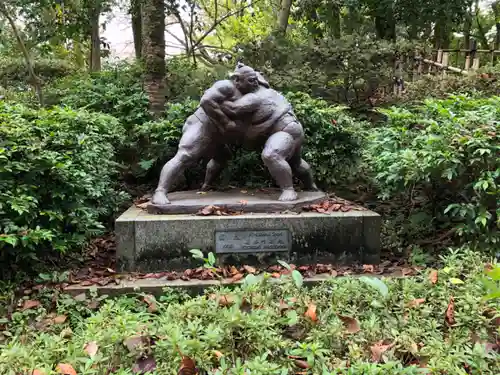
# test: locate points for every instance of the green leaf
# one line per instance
(146, 164)
(292, 317)
(284, 264)
(297, 278)
(211, 258)
(377, 284)
(454, 280)
(250, 280)
(197, 254)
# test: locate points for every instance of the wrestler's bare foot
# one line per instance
(288, 195)
(160, 198)
(206, 187)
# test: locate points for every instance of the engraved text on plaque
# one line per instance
(249, 241)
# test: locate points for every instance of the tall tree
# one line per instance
(94, 11)
(153, 53)
(496, 11)
(135, 12)
(284, 15)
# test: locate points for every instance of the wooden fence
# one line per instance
(444, 61)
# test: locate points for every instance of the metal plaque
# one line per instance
(250, 241)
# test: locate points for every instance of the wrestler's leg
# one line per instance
(192, 146)
(278, 149)
(302, 170)
(215, 166)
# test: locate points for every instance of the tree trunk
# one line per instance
(95, 39)
(153, 54)
(496, 11)
(135, 12)
(467, 27)
(352, 19)
(441, 34)
(385, 24)
(283, 16)
(336, 22)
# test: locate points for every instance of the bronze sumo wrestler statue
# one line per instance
(242, 110)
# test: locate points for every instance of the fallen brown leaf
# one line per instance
(378, 349)
(30, 304)
(283, 306)
(218, 354)
(207, 210)
(351, 324)
(91, 349)
(224, 301)
(60, 319)
(135, 344)
(250, 269)
(407, 271)
(151, 302)
(311, 312)
(300, 363)
(144, 365)
(237, 277)
(65, 369)
(368, 268)
(276, 275)
(433, 276)
(188, 367)
(416, 302)
(450, 312)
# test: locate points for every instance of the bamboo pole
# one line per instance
(442, 66)
(446, 57)
(475, 64)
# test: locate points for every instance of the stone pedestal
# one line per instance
(149, 242)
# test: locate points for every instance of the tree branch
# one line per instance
(222, 19)
(35, 81)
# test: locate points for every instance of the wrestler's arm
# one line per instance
(212, 98)
(246, 104)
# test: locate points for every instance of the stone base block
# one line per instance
(148, 242)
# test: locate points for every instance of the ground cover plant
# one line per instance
(438, 322)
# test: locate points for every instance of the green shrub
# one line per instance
(332, 143)
(57, 178)
(442, 158)
(116, 91)
(13, 72)
(333, 138)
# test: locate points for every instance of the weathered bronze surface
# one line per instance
(243, 110)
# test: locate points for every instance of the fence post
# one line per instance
(473, 53)
(446, 56)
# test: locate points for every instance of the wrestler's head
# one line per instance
(245, 79)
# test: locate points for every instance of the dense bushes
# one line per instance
(13, 72)
(442, 158)
(57, 177)
(347, 70)
(116, 91)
